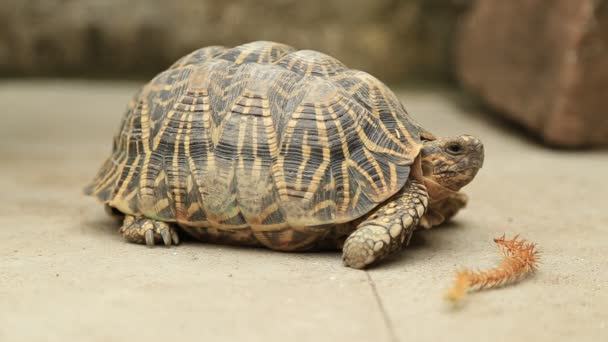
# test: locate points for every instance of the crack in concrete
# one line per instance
(385, 317)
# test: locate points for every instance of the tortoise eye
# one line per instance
(454, 149)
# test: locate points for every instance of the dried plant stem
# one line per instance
(520, 259)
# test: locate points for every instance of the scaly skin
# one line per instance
(448, 164)
(388, 229)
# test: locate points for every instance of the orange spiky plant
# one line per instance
(520, 259)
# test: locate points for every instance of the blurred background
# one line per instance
(392, 39)
(541, 63)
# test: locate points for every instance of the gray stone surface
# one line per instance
(541, 63)
(66, 275)
(125, 38)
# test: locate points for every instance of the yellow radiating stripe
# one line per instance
(161, 205)
(145, 127)
(146, 134)
(125, 148)
(393, 173)
(376, 166)
(356, 196)
(278, 170)
(370, 145)
(268, 211)
(344, 167)
(257, 161)
(189, 182)
(194, 172)
(364, 174)
(331, 184)
(376, 88)
(111, 174)
(322, 205)
(192, 209)
(241, 57)
(277, 88)
(346, 187)
(267, 52)
(322, 136)
(107, 178)
(123, 186)
(392, 112)
(216, 87)
(309, 66)
(130, 195)
(292, 62)
(160, 178)
(207, 128)
(230, 86)
(341, 132)
(218, 130)
(162, 129)
(305, 158)
(243, 125)
(179, 205)
(357, 86)
(235, 211)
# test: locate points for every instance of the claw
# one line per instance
(149, 235)
(175, 238)
(148, 231)
(166, 235)
(408, 238)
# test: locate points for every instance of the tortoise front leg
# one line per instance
(388, 229)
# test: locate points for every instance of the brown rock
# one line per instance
(543, 63)
(118, 38)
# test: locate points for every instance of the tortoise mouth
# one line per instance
(456, 179)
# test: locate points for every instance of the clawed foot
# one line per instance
(388, 229)
(366, 246)
(148, 231)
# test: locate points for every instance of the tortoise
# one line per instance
(265, 145)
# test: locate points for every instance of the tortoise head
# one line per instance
(452, 162)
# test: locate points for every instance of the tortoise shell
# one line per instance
(259, 137)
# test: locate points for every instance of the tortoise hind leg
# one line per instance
(388, 228)
(144, 230)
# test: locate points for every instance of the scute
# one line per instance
(259, 136)
(261, 52)
(308, 62)
(199, 56)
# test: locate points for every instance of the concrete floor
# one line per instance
(66, 274)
